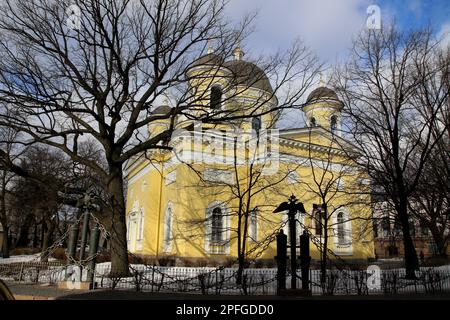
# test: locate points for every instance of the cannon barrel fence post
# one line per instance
(93, 248)
(293, 247)
(281, 260)
(292, 206)
(84, 234)
(72, 248)
(305, 259)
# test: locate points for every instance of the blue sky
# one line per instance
(327, 26)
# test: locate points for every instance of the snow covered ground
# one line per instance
(23, 258)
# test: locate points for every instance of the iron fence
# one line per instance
(223, 280)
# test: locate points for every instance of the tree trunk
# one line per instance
(324, 262)
(23, 233)
(117, 225)
(4, 247)
(5, 244)
(439, 240)
(411, 260)
(47, 238)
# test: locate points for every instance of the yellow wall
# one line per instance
(149, 190)
(190, 197)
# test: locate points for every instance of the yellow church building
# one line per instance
(213, 195)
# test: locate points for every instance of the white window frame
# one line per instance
(168, 228)
(225, 248)
(347, 247)
(253, 220)
(140, 231)
(293, 177)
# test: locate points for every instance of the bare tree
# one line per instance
(337, 187)
(246, 184)
(393, 91)
(99, 72)
(8, 137)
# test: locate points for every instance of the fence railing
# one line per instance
(223, 280)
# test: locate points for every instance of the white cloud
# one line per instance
(444, 34)
(325, 25)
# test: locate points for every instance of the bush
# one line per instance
(24, 251)
(59, 254)
(167, 261)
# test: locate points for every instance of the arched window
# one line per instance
(386, 227)
(319, 217)
(253, 223)
(216, 225)
(424, 229)
(217, 229)
(256, 124)
(313, 122)
(412, 228)
(141, 225)
(341, 228)
(216, 97)
(397, 228)
(333, 124)
(168, 233)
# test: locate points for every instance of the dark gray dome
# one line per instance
(322, 94)
(248, 74)
(208, 59)
(161, 110)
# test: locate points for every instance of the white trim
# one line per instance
(253, 232)
(345, 249)
(168, 228)
(140, 174)
(208, 227)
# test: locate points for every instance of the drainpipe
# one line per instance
(159, 210)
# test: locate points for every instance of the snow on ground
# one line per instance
(23, 258)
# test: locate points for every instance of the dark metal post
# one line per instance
(73, 241)
(84, 234)
(93, 248)
(72, 246)
(281, 260)
(305, 259)
(292, 206)
(293, 247)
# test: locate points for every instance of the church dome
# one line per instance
(242, 72)
(162, 110)
(322, 94)
(248, 74)
(208, 59)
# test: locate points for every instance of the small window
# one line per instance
(424, 230)
(216, 97)
(141, 225)
(397, 228)
(341, 228)
(256, 124)
(375, 228)
(253, 232)
(313, 122)
(319, 216)
(333, 124)
(168, 228)
(386, 227)
(412, 228)
(216, 225)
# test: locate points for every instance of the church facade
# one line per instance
(213, 195)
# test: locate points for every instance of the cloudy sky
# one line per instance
(327, 26)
